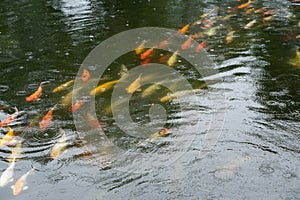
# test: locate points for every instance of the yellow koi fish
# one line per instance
(134, 85)
(103, 87)
(250, 24)
(140, 48)
(229, 37)
(64, 86)
(7, 138)
(149, 90)
(173, 58)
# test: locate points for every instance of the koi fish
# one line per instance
(7, 175)
(163, 43)
(93, 121)
(146, 61)
(79, 103)
(296, 61)
(298, 36)
(140, 48)
(20, 185)
(201, 46)
(173, 58)
(134, 85)
(10, 118)
(64, 86)
(47, 119)
(60, 146)
(149, 90)
(147, 53)
(16, 152)
(184, 29)
(197, 35)
(161, 133)
(123, 71)
(36, 95)
(259, 10)
(267, 19)
(269, 12)
(250, 24)
(163, 58)
(7, 138)
(249, 11)
(103, 87)
(85, 76)
(229, 37)
(187, 43)
(211, 31)
(245, 5)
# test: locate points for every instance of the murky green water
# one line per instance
(257, 153)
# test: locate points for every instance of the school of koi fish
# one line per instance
(209, 23)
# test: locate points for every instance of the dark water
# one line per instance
(253, 113)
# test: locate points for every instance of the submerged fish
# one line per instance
(7, 137)
(64, 86)
(7, 175)
(60, 146)
(36, 95)
(10, 118)
(184, 29)
(47, 119)
(147, 54)
(245, 5)
(201, 46)
(20, 185)
(229, 37)
(140, 48)
(151, 89)
(103, 87)
(250, 24)
(16, 152)
(86, 75)
(173, 58)
(187, 43)
(134, 85)
(161, 133)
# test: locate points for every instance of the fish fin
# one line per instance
(25, 187)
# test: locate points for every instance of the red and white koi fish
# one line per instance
(36, 95)
(10, 118)
(20, 185)
(47, 119)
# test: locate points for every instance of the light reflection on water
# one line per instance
(48, 41)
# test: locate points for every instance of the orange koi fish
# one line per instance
(270, 12)
(267, 19)
(36, 95)
(140, 48)
(79, 103)
(245, 5)
(163, 43)
(47, 119)
(184, 29)
(187, 43)
(85, 76)
(134, 85)
(201, 46)
(146, 61)
(161, 133)
(10, 118)
(259, 10)
(164, 58)
(7, 138)
(93, 121)
(146, 54)
(20, 185)
(63, 86)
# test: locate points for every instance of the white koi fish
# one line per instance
(7, 175)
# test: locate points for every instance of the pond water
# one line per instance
(236, 137)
